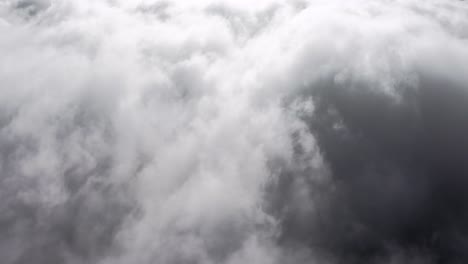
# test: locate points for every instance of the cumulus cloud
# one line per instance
(219, 131)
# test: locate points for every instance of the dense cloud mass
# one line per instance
(233, 131)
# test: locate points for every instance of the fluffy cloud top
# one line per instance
(233, 132)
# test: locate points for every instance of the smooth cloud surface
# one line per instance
(233, 131)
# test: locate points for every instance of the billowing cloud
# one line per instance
(233, 132)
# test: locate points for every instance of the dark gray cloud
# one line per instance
(398, 172)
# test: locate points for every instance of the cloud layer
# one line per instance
(233, 132)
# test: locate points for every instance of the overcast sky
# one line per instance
(233, 131)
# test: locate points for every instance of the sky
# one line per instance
(233, 131)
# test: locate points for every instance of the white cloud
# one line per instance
(178, 106)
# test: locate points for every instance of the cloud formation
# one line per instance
(233, 132)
